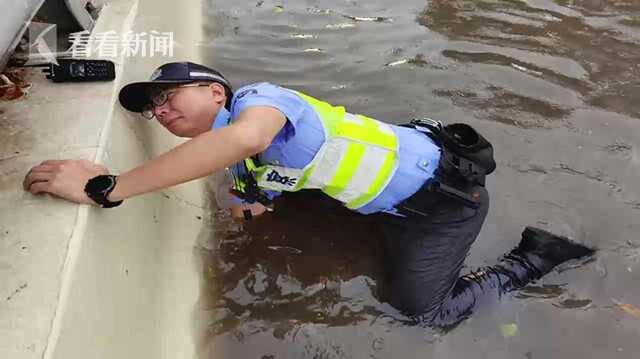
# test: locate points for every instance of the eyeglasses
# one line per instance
(162, 97)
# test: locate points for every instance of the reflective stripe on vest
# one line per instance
(354, 164)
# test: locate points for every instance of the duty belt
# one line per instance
(448, 181)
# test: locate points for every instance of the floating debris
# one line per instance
(518, 67)
(418, 60)
(278, 9)
(315, 10)
(629, 308)
(344, 25)
(286, 249)
(397, 51)
(573, 303)
(303, 36)
(631, 21)
(313, 49)
(524, 69)
(338, 87)
(396, 63)
(368, 18)
(618, 147)
(509, 330)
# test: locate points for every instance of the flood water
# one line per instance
(553, 84)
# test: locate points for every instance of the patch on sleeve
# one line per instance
(245, 93)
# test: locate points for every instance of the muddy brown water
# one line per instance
(554, 84)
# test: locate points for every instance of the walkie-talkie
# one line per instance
(80, 70)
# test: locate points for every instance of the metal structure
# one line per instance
(17, 14)
(14, 20)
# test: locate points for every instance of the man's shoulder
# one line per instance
(258, 88)
(262, 93)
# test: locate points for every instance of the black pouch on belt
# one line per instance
(466, 158)
(465, 153)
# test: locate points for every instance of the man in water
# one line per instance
(423, 181)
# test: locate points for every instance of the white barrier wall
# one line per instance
(13, 19)
(94, 283)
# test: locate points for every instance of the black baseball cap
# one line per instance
(135, 96)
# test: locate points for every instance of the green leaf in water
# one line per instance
(631, 21)
(509, 330)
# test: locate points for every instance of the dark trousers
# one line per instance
(425, 253)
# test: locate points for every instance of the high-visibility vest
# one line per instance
(354, 164)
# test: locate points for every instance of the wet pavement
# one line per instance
(553, 84)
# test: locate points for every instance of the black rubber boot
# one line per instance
(536, 255)
(545, 250)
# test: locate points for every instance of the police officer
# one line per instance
(424, 181)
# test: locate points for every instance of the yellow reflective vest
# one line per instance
(354, 164)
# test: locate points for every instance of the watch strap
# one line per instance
(98, 189)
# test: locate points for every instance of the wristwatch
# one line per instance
(98, 189)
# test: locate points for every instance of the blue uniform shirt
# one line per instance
(301, 137)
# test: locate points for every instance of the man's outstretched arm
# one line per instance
(251, 133)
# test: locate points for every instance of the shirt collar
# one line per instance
(222, 119)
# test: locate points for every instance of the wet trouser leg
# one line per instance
(537, 253)
(424, 253)
(513, 272)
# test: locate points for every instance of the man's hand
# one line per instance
(63, 178)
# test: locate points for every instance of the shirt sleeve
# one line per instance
(265, 94)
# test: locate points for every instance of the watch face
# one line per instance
(99, 184)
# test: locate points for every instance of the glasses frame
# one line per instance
(163, 97)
